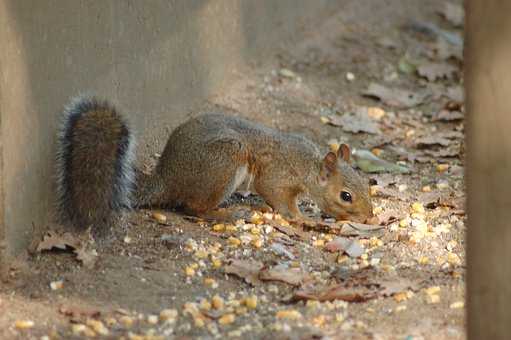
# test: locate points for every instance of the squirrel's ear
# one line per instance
(330, 161)
(344, 152)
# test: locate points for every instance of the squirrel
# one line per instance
(204, 161)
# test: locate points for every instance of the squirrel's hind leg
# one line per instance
(220, 168)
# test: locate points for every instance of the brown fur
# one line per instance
(205, 158)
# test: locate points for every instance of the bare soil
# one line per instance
(303, 86)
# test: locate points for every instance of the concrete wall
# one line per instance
(156, 58)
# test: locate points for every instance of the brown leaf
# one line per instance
(435, 71)
(450, 151)
(282, 273)
(334, 292)
(343, 244)
(395, 97)
(356, 122)
(53, 239)
(245, 269)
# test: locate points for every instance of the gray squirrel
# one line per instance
(204, 161)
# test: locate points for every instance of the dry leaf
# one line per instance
(343, 244)
(334, 292)
(282, 273)
(245, 269)
(395, 97)
(356, 122)
(53, 239)
(435, 71)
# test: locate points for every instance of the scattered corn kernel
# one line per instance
(201, 254)
(218, 227)
(227, 319)
(217, 263)
(457, 305)
(400, 308)
(159, 217)
(189, 271)
(453, 259)
(55, 285)
(432, 290)
(334, 147)
(377, 210)
(231, 228)
(426, 188)
(290, 314)
(168, 314)
(217, 302)
(377, 152)
(127, 321)
(24, 324)
(251, 302)
(324, 120)
(418, 208)
(97, 326)
(431, 299)
(318, 243)
(423, 260)
(152, 319)
(401, 296)
(233, 241)
(442, 167)
(78, 328)
(319, 321)
(210, 282)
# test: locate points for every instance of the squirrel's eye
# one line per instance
(345, 196)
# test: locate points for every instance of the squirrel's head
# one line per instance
(343, 193)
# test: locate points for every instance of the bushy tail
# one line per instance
(95, 172)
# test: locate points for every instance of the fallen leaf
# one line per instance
(435, 71)
(53, 239)
(453, 13)
(356, 122)
(245, 269)
(334, 292)
(290, 231)
(282, 273)
(395, 97)
(366, 161)
(343, 244)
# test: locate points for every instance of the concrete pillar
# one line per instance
(155, 58)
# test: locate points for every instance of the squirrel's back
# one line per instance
(95, 174)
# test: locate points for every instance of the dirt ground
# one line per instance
(262, 278)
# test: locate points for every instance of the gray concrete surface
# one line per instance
(155, 59)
